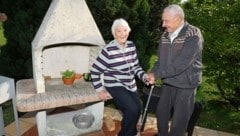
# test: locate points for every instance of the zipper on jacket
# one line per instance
(169, 55)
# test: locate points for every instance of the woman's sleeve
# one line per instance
(98, 68)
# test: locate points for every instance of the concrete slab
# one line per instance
(205, 132)
(225, 134)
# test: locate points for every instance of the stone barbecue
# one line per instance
(68, 38)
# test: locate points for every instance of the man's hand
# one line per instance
(150, 78)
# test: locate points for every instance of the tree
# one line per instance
(219, 22)
(24, 19)
(135, 12)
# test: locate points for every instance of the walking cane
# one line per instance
(146, 108)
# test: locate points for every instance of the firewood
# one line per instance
(109, 123)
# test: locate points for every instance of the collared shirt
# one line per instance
(175, 33)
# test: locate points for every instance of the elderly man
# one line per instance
(179, 66)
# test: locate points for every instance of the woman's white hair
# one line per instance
(176, 9)
(119, 22)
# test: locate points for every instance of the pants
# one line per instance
(129, 104)
(180, 102)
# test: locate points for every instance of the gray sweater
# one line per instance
(180, 63)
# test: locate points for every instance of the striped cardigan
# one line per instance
(118, 66)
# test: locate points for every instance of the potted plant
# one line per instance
(68, 77)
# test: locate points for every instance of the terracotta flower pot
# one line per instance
(68, 81)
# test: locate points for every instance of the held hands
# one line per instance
(150, 79)
(104, 95)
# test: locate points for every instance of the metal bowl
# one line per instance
(83, 120)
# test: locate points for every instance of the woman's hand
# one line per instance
(104, 95)
(150, 78)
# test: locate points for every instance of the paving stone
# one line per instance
(225, 134)
(206, 132)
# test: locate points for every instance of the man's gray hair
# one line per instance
(119, 22)
(176, 9)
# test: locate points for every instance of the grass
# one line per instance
(217, 113)
(2, 38)
(8, 115)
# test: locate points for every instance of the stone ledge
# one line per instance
(56, 95)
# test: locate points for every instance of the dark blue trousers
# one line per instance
(180, 102)
(129, 104)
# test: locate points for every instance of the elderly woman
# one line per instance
(118, 63)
